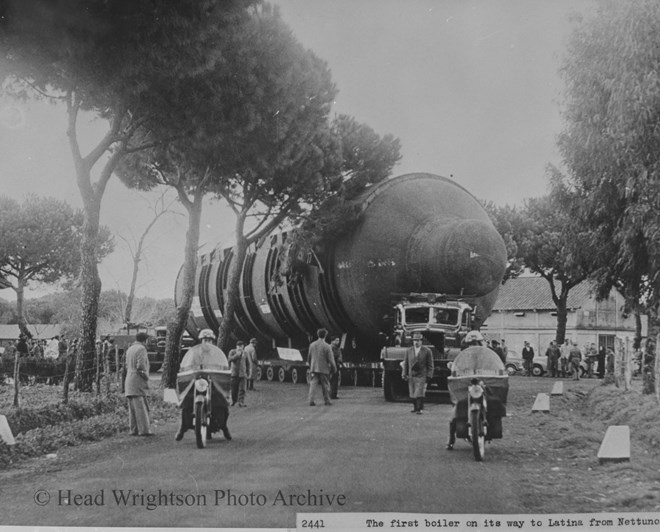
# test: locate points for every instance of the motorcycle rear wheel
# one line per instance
(478, 436)
(200, 425)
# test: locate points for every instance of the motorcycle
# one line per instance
(478, 387)
(203, 389)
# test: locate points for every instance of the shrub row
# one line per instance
(41, 368)
(49, 426)
(27, 418)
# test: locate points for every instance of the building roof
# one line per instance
(533, 293)
(11, 332)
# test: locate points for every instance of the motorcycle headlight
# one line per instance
(201, 385)
(449, 365)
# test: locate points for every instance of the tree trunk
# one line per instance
(20, 317)
(620, 365)
(175, 328)
(131, 293)
(562, 318)
(656, 372)
(233, 284)
(90, 292)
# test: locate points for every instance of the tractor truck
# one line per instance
(421, 244)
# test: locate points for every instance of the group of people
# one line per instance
(324, 362)
(52, 349)
(566, 360)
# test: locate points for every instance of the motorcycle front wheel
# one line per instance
(478, 436)
(200, 425)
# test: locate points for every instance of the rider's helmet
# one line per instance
(206, 333)
(473, 336)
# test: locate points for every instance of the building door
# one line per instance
(606, 341)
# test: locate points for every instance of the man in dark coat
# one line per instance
(528, 357)
(417, 370)
(553, 355)
(321, 365)
(338, 356)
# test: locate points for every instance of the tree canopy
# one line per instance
(39, 243)
(128, 62)
(610, 144)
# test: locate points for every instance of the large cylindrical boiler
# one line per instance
(416, 233)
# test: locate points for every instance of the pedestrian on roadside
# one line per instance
(564, 366)
(602, 354)
(591, 356)
(528, 357)
(136, 386)
(338, 356)
(321, 365)
(251, 355)
(21, 346)
(240, 367)
(495, 346)
(417, 370)
(553, 355)
(505, 348)
(575, 357)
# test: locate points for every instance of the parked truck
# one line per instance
(416, 234)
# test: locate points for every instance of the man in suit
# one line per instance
(321, 363)
(136, 386)
(251, 355)
(417, 370)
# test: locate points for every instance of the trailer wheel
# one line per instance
(297, 375)
(260, 373)
(281, 374)
(394, 387)
(270, 374)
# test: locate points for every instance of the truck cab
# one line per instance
(443, 321)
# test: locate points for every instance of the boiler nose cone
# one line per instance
(457, 256)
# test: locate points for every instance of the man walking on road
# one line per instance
(136, 387)
(321, 364)
(417, 369)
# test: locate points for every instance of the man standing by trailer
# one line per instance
(417, 370)
(136, 386)
(321, 365)
(251, 355)
(334, 378)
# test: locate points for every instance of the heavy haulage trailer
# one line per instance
(423, 247)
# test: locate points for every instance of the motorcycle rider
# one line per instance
(205, 354)
(471, 339)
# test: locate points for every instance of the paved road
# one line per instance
(359, 455)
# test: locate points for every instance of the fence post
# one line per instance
(627, 366)
(17, 367)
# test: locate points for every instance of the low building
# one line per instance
(525, 311)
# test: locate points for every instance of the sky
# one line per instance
(470, 87)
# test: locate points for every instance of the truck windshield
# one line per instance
(417, 315)
(446, 316)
